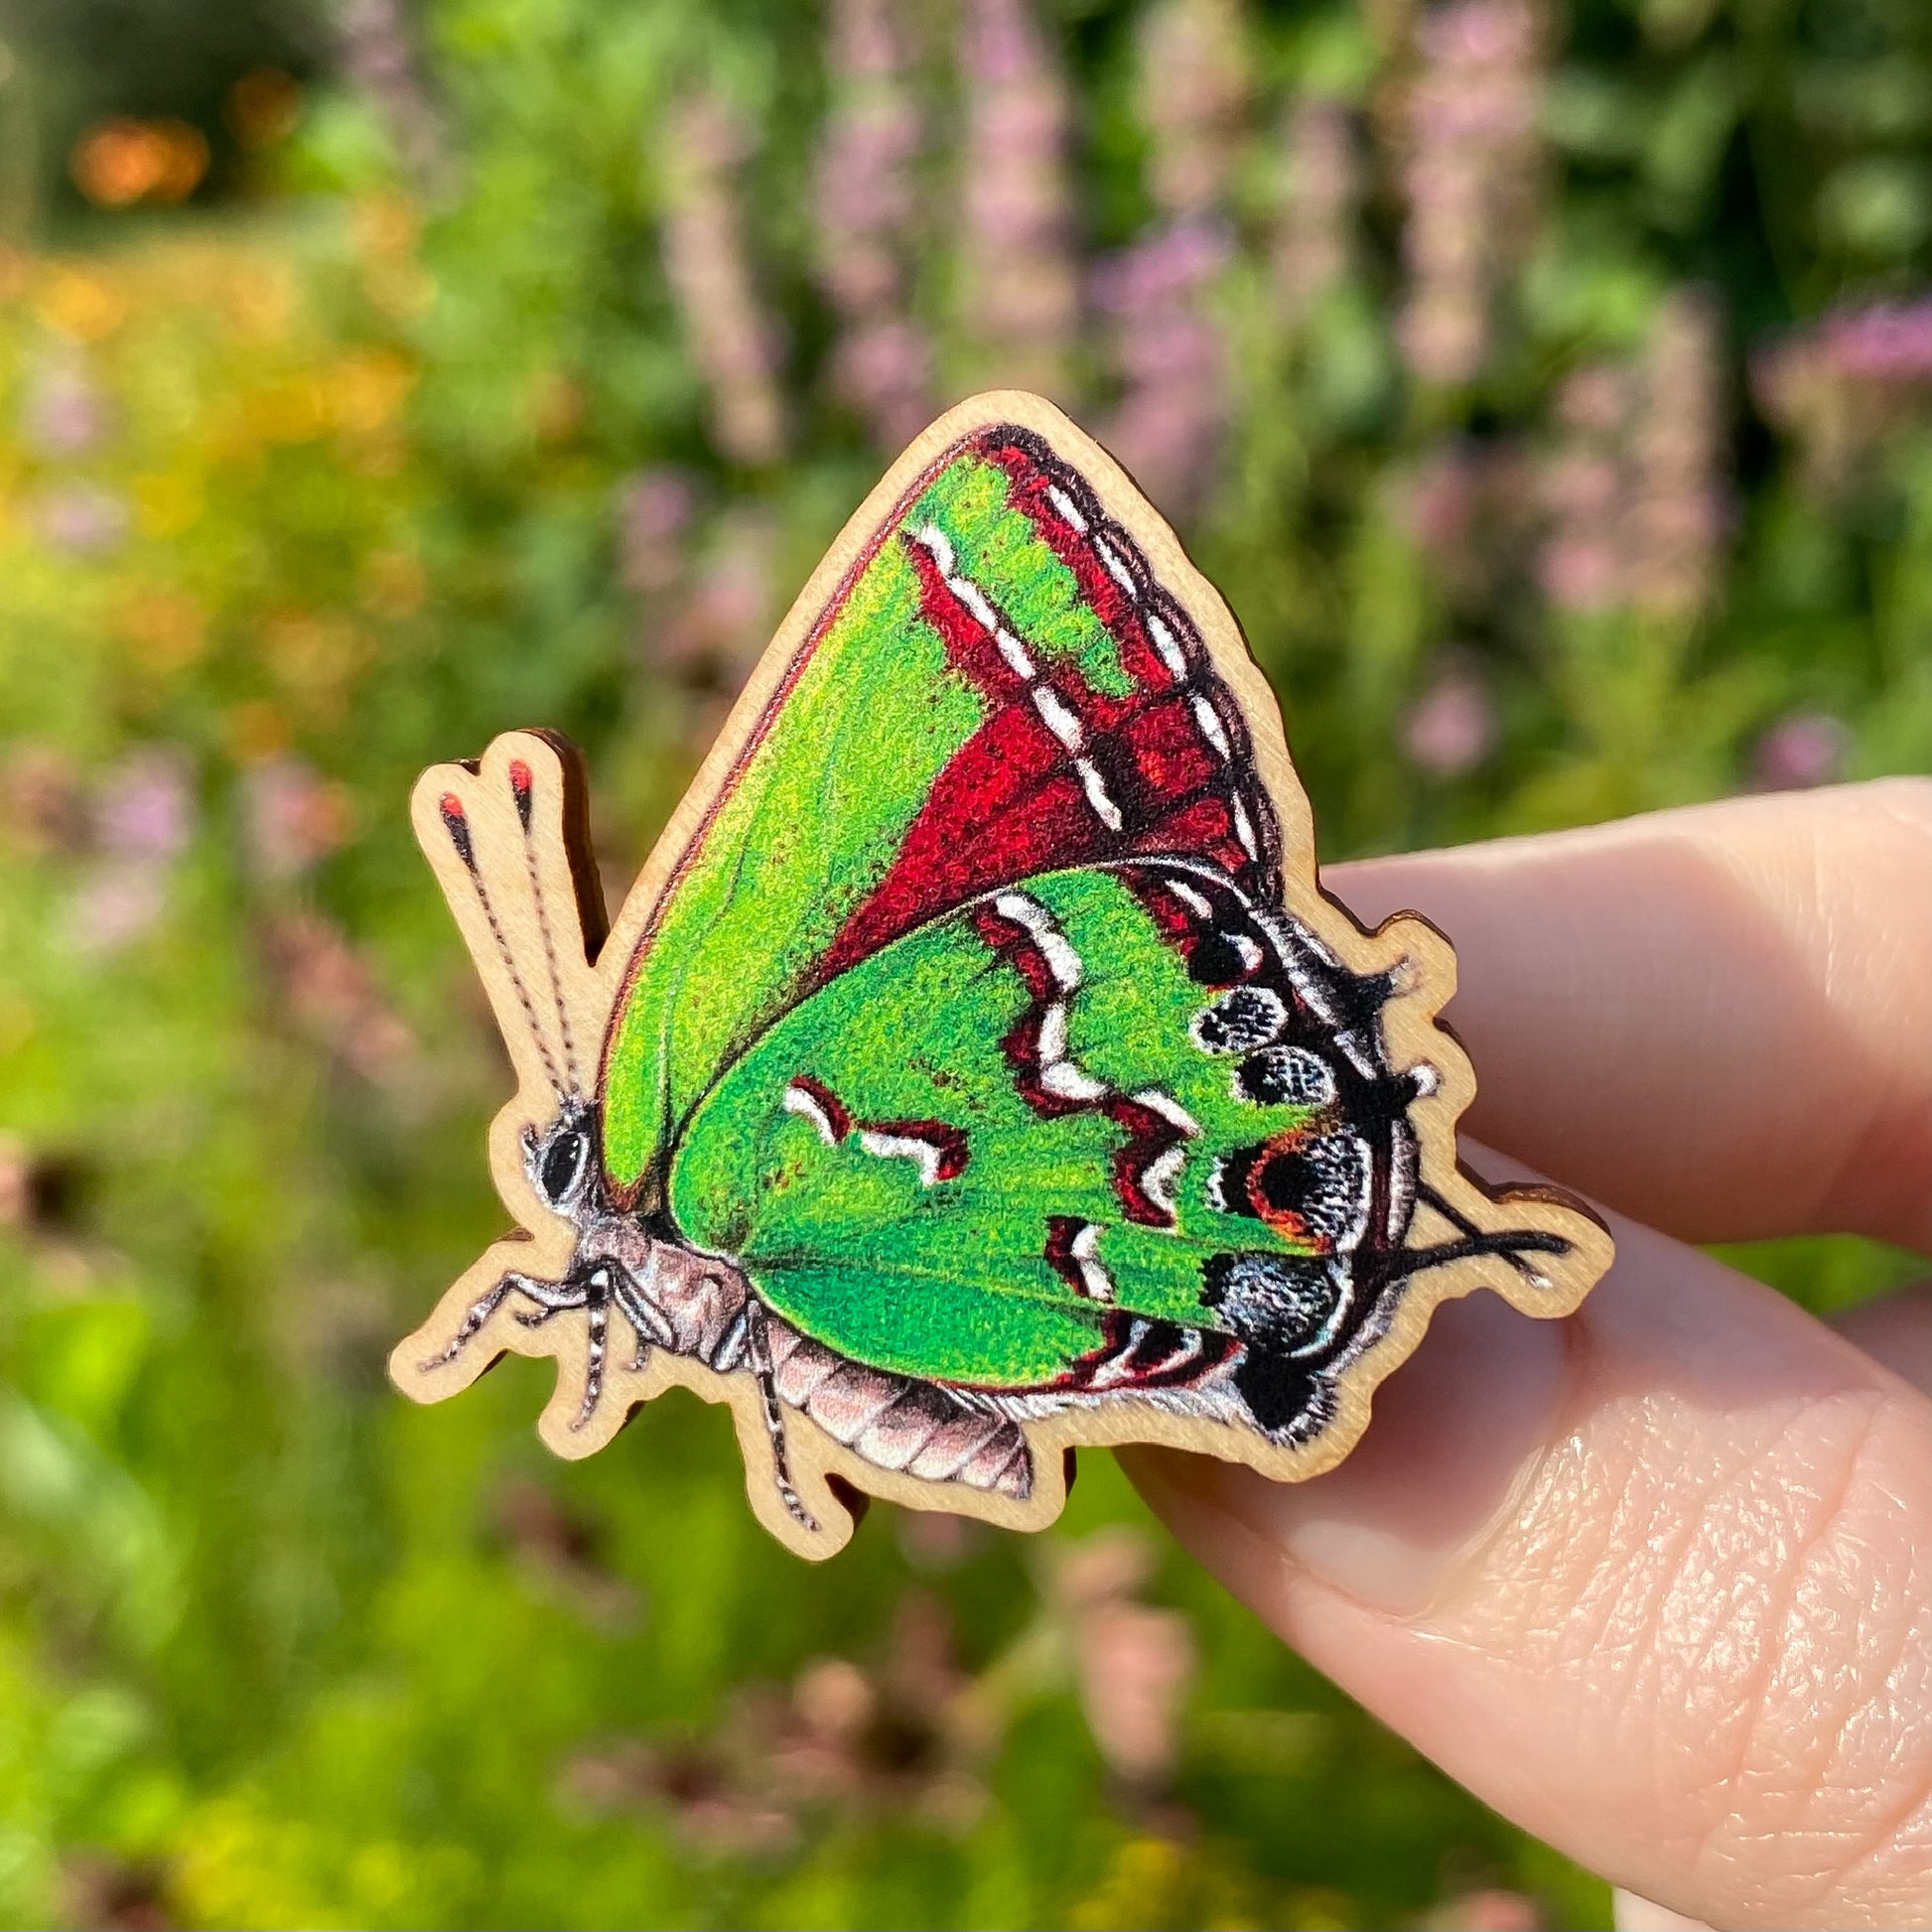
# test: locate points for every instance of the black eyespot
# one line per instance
(1242, 1018)
(1285, 1076)
(1334, 1178)
(1273, 1301)
(1222, 958)
(562, 1162)
(1283, 1180)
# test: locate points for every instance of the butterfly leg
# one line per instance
(647, 1322)
(758, 1342)
(551, 1298)
(597, 1327)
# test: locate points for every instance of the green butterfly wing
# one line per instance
(984, 1153)
(998, 686)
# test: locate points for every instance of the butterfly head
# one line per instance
(563, 1163)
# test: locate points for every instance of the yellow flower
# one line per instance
(80, 303)
(165, 627)
(366, 389)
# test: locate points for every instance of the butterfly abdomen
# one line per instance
(898, 1423)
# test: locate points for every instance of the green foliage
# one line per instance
(442, 442)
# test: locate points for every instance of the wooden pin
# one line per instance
(976, 1070)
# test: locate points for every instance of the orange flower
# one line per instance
(119, 162)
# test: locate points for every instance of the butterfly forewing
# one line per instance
(999, 687)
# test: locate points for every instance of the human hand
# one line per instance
(1656, 1580)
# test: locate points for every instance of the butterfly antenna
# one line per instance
(1509, 1246)
(524, 789)
(456, 821)
(1461, 1223)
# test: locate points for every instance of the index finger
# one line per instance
(1718, 1019)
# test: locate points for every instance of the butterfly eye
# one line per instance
(563, 1166)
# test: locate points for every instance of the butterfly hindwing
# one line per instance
(999, 686)
(1089, 1105)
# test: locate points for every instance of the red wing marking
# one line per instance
(1105, 562)
(817, 1103)
(1137, 1353)
(1072, 1251)
(936, 1147)
(1164, 741)
(1146, 1164)
(1061, 773)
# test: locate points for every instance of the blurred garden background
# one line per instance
(1547, 382)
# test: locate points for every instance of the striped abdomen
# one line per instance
(895, 1422)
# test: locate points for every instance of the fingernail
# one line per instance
(1452, 1434)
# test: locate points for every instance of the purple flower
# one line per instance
(865, 199)
(45, 812)
(1681, 510)
(1164, 340)
(379, 54)
(1470, 505)
(146, 810)
(654, 511)
(1489, 1910)
(1440, 500)
(86, 520)
(1469, 154)
(1168, 426)
(1019, 292)
(142, 819)
(1584, 490)
(1451, 728)
(868, 219)
(711, 635)
(63, 414)
(885, 367)
(1580, 572)
(327, 990)
(294, 816)
(1314, 237)
(1193, 95)
(732, 340)
(1809, 747)
(17, 1183)
(1844, 387)
(1595, 401)
(1171, 264)
(1890, 342)
(1133, 1664)
(116, 903)
(1636, 492)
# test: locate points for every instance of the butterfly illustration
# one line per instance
(976, 1070)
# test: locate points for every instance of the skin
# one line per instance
(1656, 1581)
